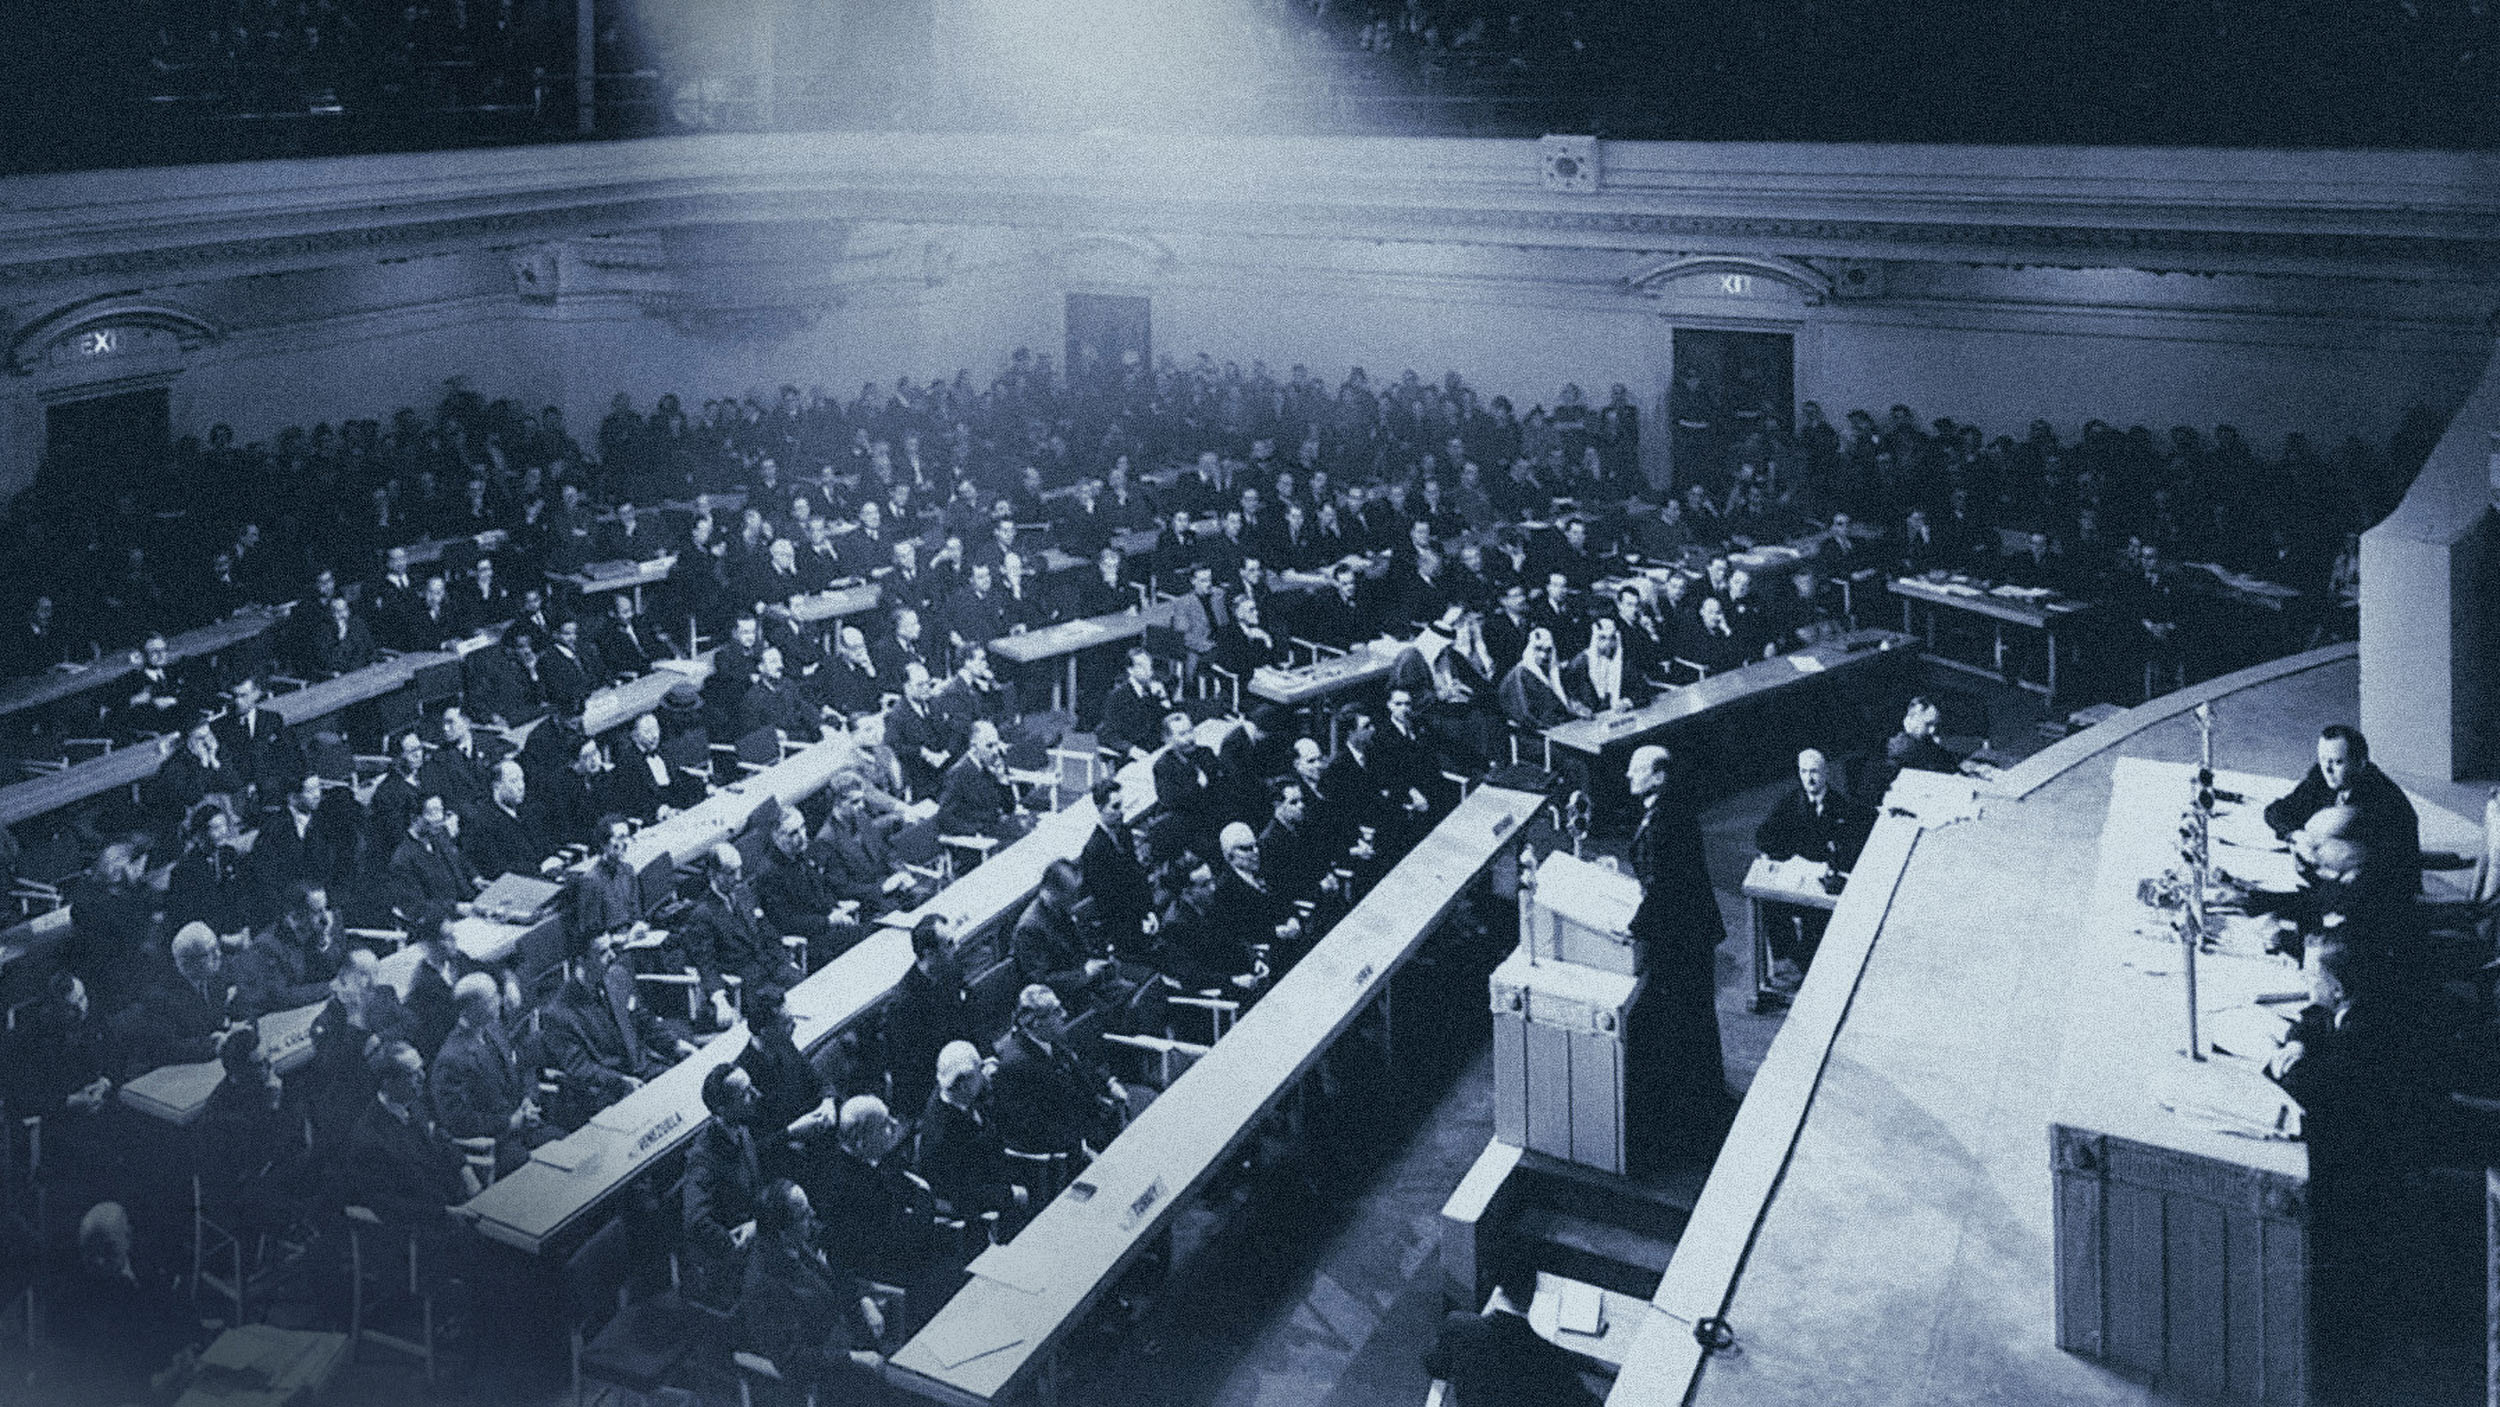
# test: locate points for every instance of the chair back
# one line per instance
(437, 681)
(593, 1278)
(329, 757)
(1166, 644)
(657, 883)
(1045, 1173)
(916, 843)
(761, 747)
(689, 751)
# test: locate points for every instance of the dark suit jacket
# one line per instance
(2387, 827)
(496, 687)
(406, 1173)
(1678, 907)
(1044, 1101)
(336, 654)
(798, 1311)
(267, 758)
(1793, 828)
(476, 1082)
(907, 731)
(425, 874)
(856, 862)
(431, 1014)
(1130, 719)
(584, 1038)
(972, 802)
(1048, 948)
(638, 793)
(625, 657)
(499, 843)
(962, 1160)
(569, 681)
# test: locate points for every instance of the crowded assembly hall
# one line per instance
(683, 722)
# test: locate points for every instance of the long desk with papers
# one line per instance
(1001, 1330)
(69, 681)
(1070, 638)
(576, 1175)
(1367, 662)
(2000, 606)
(1857, 653)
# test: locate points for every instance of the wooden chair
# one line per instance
(758, 1377)
(385, 1259)
(613, 1338)
(1044, 1173)
(211, 1241)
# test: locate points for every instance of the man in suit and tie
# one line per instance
(1132, 714)
(1678, 921)
(478, 1086)
(400, 1164)
(343, 646)
(1816, 822)
(156, 700)
(571, 670)
(394, 598)
(960, 1155)
(255, 740)
(185, 1013)
(601, 1036)
(428, 867)
(198, 769)
(402, 789)
(482, 600)
(500, 683)
(858, 863)
(646, 783)
(463, 768)
(504, 836)
(624, 648)
(307, 838)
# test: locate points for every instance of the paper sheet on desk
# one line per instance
(1011, 1268)
(2229, 1098)
(956, 1339)
(1806, 664)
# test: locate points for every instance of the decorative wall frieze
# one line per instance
(2410, 215)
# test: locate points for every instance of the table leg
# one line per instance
(1908, 626)
(2051, 632)
(2000, 651)
(1759, 921)
(1072, 708)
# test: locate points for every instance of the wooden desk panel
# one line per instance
(54, 685)
(574, 1176)
(1851, 654)
(1023, 1298)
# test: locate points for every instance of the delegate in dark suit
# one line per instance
(404, 1170)
(962, 1159)
(1045, 1099)
(601, 1038)
(1833, 831)
(1678, 919)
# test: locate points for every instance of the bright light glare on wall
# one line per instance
(1137, 64)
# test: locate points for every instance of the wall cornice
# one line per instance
(2378, 215)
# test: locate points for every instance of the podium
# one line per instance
(1566, 1006)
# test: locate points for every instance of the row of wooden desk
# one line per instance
(1858, 653)
(69, 681)
(1001, 1331)
(574, 1177)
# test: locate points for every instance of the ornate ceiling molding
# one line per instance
(1081, 215)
